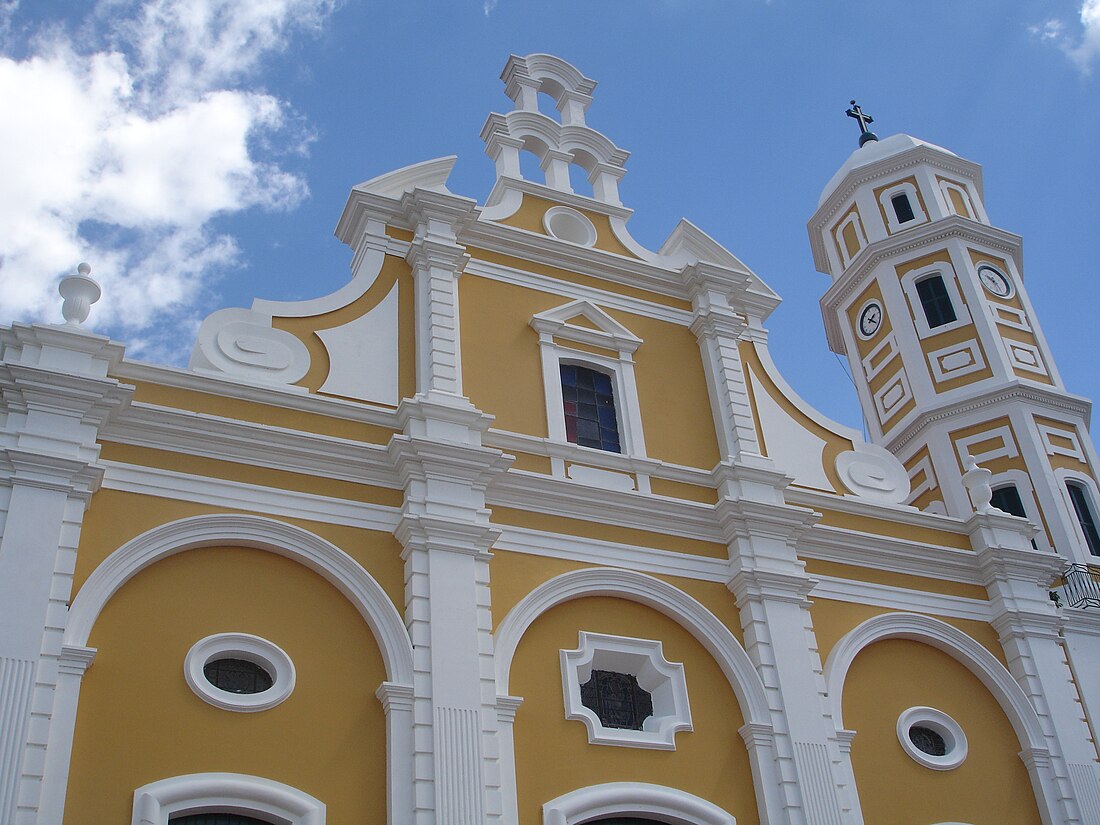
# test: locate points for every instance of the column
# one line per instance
(56, 395)
(1018, 579)
(771, 587)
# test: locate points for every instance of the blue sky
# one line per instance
(198, 152)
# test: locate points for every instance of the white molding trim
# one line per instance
(672, 602)
(645, 660)
(221, 792)
(899, 598)
(950, 640)
(633, 799)
(319, 555)
(267, 655)
(569, 225)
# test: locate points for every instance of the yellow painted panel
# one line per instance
(138, 721)
(250, 474)
(832, 231)
(995, 465)
(851, 240)
(817, 567)
(607, 532)
(576, 278)
(992, 785)
(242, 410)
(115, 517)
(399, 233)
(677, 489)
(393, 270)
(497, 341)
(531, 462)
(553, 755)
(530, 213)
(897, 417)
(886, 527)
(958, 204)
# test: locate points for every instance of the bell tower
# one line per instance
(928, 303)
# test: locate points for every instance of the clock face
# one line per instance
(994, 281)
(870, 319)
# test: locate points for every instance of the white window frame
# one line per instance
(238, 793)
(861, 236)
(641, 799)
(1022, 482)
(945, 726)
(250, 648)
(909, 190)
(643, 659)
(945, 187)
(950, 283)
(1066, 477)
(552, 223)
(553, 327)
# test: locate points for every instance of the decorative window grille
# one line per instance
(617, 699)
(237, 676)
(927, 740)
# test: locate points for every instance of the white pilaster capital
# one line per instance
(757, 734)
(437, 216)
(75, 659)
(394, 696)
(756, 584)
(507, 707)
(752, 477)
(442, 416)
(844, 739)
(712, 283)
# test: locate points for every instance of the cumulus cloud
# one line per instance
(126, 137)
(1082, 48)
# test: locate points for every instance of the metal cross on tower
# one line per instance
(863, 118)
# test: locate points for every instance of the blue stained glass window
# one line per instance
(588, 398)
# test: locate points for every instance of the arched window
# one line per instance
(1007, 498)
(903, 209)
(935, 300)
(588, 402)
(1086, 515)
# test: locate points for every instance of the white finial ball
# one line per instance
(80, 291)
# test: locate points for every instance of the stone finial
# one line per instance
(976, 480)
(80, 291)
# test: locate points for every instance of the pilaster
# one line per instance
(717, 328)
(771, 586)
(1030, 630)
(56, 397)
(446, 536)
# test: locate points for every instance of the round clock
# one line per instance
(994, 281)
(870, 319)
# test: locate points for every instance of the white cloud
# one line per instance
(124, 150)
(1083, 50)
(488, 6)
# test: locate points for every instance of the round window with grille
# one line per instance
(932, 738)
(239, 671)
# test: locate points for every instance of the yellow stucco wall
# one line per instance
(553, 755)
(530, 214)
(138, 721)
(991, 786)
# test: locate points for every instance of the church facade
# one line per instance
(522, 526)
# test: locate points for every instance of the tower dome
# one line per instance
(876, 150)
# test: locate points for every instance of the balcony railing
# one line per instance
(1080, 586)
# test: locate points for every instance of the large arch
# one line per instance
(632, 799)
(319, 555)
(661, 596)
(1046, 769)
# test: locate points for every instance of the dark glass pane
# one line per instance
(617, 699)
(623, 820)
(927, 741)
(935, 301)
(902, 208)
(237, 676)
(1085, 517)
(216, 819)
(588, 403)
(1008, 499)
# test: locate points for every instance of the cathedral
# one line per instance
(522, 526)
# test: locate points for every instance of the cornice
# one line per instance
(291, 398)
(249, 443)
(896, 513)
(911, 240)
(1060, 401)
(527, 187)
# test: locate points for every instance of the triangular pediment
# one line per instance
(585, 322)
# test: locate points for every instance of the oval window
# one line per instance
(237, 676)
